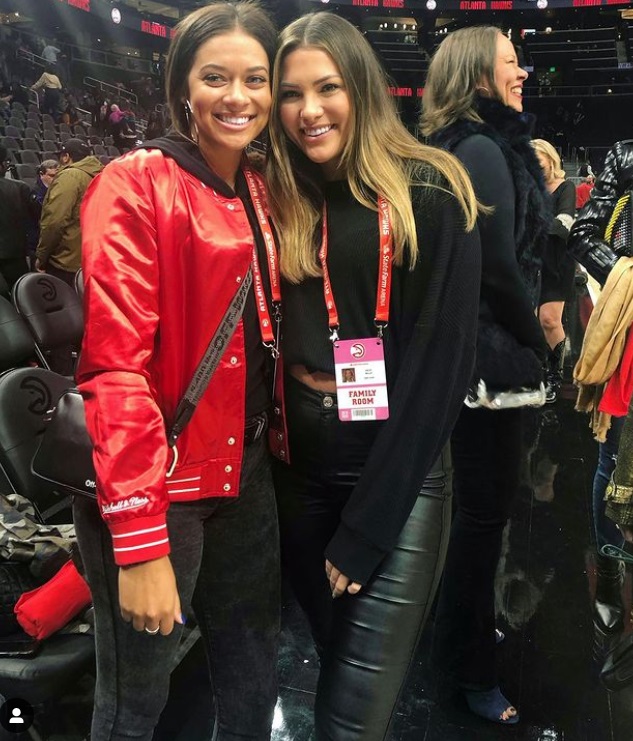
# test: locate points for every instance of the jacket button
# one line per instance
(238, 279)
(282, 453)
(228, 469)
(233, 360)
(280, 437)
(277, 411)
(231, 207)
(231, 441)
(328, 402)
(227, 487)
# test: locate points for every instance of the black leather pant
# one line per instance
(366, 641)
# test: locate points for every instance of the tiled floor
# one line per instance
(543, 598)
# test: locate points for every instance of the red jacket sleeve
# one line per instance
(119, 259)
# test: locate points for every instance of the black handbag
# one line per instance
(15, 579)
(64, 456)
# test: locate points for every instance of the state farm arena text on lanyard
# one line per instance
(359, 364)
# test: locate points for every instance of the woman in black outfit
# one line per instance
(363, 504)
(473, 107)
(557, 279)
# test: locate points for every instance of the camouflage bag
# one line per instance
(30, 554)
(24, 539)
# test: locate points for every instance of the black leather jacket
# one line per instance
(585, 240)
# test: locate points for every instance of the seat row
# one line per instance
(48, 311)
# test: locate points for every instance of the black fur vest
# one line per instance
(512, 132)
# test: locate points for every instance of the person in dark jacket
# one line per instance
(588, 245)
(586, 240)
(361, 477)
(557, 278)
(473, 106)
(18, 217)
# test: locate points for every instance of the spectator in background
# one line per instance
(583, 190)
(155, 126)
(52, 86)
(59, 248)
(557, 277)
(45, 174)
(50, 52)
(17, 216)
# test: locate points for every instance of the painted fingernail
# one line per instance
(183, 619)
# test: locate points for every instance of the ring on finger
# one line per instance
(152, 632)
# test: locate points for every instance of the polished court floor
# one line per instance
(544, 591)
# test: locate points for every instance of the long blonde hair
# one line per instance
(461, 69)
(380, 156)
(555, 170)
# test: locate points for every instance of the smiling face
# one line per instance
(229, 93)
(315, 107)
(509, 77)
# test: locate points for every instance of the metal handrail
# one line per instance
(32, 58)
(117, 91)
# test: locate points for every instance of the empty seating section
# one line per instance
(586, 48)
(31, 138)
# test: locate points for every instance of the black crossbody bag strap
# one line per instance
(208, 364)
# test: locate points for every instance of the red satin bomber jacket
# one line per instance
(163, 254)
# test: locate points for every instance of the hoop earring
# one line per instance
(482, 87)
(193, 129)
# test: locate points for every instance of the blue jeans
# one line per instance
(605, 529)
(225, 554)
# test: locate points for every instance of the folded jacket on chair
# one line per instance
(45, 610)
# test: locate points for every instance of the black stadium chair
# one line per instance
(10, 142)
(30, 144)
(49, 155)
(17, 347)
(49, 145)
(113, 151)
(31, 133)
(104, 159)
(64, 136)
(54, 315)
(79, 284)
(99, 149)
(13, 132)
(26, 395)
(29, 157)
(26, 172)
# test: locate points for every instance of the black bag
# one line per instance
(64, 456)
(15, 579)
(619, 231)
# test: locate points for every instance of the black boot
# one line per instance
(554, 378)
(608, 612)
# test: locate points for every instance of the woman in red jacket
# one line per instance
(169, 233)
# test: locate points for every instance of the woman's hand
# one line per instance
(339, 582)
(148, 596)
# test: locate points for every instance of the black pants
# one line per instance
(228, 550)
(13, 268)
(366, 641)
(486, 450)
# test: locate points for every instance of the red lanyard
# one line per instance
(385, 268)
(268, 336)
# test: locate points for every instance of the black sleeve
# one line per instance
(585, 241)
(564, 210)
(425, 397)
(502, 286)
